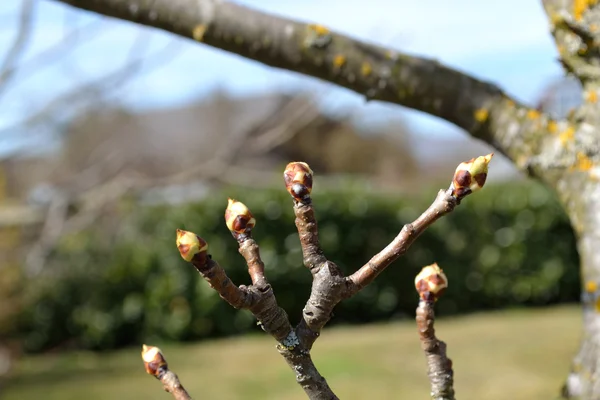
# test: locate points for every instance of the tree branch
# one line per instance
(431, 283)
(156, 365)
(258, 298)
(20, 42)
(480, 108)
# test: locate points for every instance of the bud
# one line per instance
(238, 217)
(298, 179)
(153, 359)
(190, 245)
(431, 282)
(470, 176)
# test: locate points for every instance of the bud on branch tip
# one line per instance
(153, 359)
(431, 282)
(298, 178)
(238, 217)
(189, 244)
(470, 176)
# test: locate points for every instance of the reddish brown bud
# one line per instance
(190, 245)
(470, 176)
(154, 361)
(431, 282)
(238, 217)
(298, 178)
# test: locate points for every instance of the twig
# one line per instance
(156, 365)
(329, 284)
(20, 42)
(430, 284)
(257, 298)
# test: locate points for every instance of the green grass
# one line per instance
(513, 355)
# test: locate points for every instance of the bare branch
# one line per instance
(329, 284)
(259, 299)
(469, 177)
(156, 365)
(20, 42)
(430, 283)
(480, 108)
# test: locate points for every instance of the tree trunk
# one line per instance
(582, 202)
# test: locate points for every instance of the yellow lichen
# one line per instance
(591, 96)
(555, 18)
(318, 29)
(366, 69)
(591, 286)
(593, 28)
(510, 103)
(566, 135)
(198, 32)
(583, 163)
(533, 114)
(580, 6)
(597, 304)
(481, 115)
(339, 61)
(552, 126)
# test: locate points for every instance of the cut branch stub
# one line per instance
(298, 178)
(192, 247)
(431, 282)
(470, 176)
(238, 218)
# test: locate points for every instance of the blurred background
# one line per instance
(113, 135)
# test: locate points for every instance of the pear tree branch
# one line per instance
(480, 108)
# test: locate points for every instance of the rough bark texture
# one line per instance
(439, 366)
(574, 25)
(564, 154)
(260, 300)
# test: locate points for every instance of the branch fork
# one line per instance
(330, 285)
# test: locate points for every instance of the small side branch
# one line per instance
(431, 283)
(443, 204)
(258, 298)
(469, 177)
(156, 365)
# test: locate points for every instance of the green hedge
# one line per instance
(503, 246)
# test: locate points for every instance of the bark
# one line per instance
(574, 25)
(480, 108)
(564, 154)
(439, 366)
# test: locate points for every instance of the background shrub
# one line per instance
(505, 246)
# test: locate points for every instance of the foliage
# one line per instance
(504, 246)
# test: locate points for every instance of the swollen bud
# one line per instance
(191, 245)
(238, 217)
(431, 282)
(154, 361)
(298, 178)
(470, 176)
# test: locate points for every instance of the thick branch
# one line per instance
(479, 107)
(439, 365)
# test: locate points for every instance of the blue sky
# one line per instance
(506, 42)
